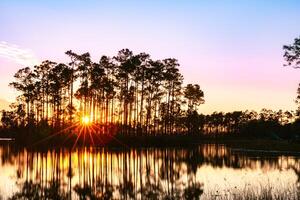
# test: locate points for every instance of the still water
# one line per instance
(210, 171)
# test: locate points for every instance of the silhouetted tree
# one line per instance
(194, 96)
(292, 53)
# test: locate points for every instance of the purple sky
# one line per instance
(233, 49)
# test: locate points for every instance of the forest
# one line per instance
(131, 95)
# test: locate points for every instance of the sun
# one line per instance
(85, 120)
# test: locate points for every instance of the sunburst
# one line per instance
(87, 131)
(86, 120)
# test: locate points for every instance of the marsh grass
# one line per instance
(263, 192)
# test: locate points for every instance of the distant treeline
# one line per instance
(263, 124)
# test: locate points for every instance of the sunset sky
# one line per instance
(232, 49)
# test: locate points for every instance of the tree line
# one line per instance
(132, 91)
(136, 94)
(264, 124)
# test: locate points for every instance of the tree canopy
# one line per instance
(132, 91)
(292, 53)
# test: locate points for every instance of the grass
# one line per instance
(266, 192)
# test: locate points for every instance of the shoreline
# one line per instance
(245, 145)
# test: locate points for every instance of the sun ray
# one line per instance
(78, 136)
(114, 138)
(71, 134)
(100, 139)
(53, 135)
(92, 140)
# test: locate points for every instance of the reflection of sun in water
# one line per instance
(85, 120)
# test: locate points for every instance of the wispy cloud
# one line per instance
(17, 54)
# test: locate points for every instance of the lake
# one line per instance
(211, 171)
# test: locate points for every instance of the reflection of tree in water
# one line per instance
(297, 172)
(193, 191)
(126, 190)
(7, 154)
(127, 174)
(100, 192)
(35, 191)
(220, 156)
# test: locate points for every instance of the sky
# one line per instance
(232, 49)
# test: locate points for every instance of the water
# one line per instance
(214, 171)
